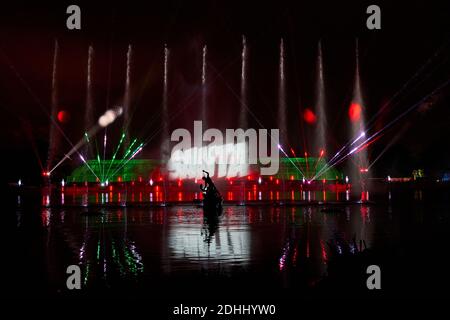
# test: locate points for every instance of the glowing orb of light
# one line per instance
(309, 116)
(354, 112)
(63, 116)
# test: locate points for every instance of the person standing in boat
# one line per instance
(209, 185)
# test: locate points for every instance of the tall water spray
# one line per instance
(89, 113)
(243, 121)
(165, 112)
(357, 117)
(320, 136)
(281, 120)
(204, 92)
(127, 99)
(54, 136)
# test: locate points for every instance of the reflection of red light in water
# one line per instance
(309, 116)
(179, 183)
(354, 112)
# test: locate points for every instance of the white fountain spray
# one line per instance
(165, 115)
(54, 135)
(362, 161)
(320, 136)
(243, 122)
(204, 114)
(89, 114)
(127, 99)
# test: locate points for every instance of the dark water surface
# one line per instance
(248, 250)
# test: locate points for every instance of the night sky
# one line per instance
(413, 33)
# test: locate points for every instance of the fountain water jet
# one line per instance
(357, 118)
(165, 112)
(89, 114)
(282, 123)
(204, 114)
(127, 99)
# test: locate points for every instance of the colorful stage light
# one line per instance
(63, 116)
(309, 116)
(354, 112)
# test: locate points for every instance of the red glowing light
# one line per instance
(354, 112)
(292, 177)
(364, 170)
(63, 116)
(322, 152)
(277, 181)
(309, 116)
